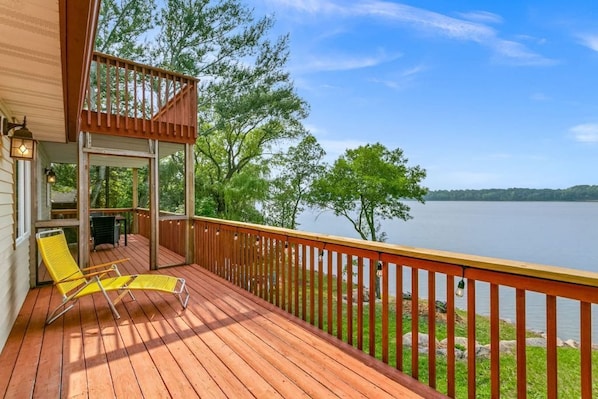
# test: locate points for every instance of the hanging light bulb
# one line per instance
(379, 269)
(460, 288)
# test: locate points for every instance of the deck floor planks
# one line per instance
(180, 331)
(22, 385)
(270, 382)
(227, 343)
(99, 382)
(15, 340)
(279, 360)
(170, 372)
(335, 376)
(47, 384)
(122, 373)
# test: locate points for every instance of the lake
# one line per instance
(552, 233)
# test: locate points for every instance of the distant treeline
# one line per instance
(575, 193)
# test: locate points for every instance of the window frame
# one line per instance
(22, 204)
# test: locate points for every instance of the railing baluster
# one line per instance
(360, 300)
(399, 317)
(415, 322)
(315, 255)
(297, 282)
(450, 335)
(304, 260)
(108, 95)
(471, 339)
(118, 113)
(432, 329)
(585, 349)
(385, 313)
(521, 344)
(350, 299)
(339, 295)
(551, 356)
(494, 342)
(372, 308)
(321, 292)
(99, 93)
(330, 291)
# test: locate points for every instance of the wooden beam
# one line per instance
(78, 22)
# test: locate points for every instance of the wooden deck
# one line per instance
(227, 343)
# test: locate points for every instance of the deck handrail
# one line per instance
(303, 273)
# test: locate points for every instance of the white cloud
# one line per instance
(343, 63)
(482, 16)
(540, 97)
(585, 133)
(590, 41)
(474, 30)
(404, 78)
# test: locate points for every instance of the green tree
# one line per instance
(298, 168)
(366, 185)
(122, 26)
(247, 103)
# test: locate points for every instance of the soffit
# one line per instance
(30, 66)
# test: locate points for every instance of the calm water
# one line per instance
(552, 233)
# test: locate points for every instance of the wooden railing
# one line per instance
(306, 275)
(128, 99)
(171, 229)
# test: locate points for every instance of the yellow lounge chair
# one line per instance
(73, 283)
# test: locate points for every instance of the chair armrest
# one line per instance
(85, 276)
(104, 265)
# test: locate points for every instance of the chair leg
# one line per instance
(112, 307)
(53, 316)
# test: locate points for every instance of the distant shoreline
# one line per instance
(583, 193)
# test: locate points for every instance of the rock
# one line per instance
(422, 340)
(571, 343)
(508, 346)
(536, 341)
(366, 295)
(482, 351)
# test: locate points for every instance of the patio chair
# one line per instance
(104, 230)
(74, 283)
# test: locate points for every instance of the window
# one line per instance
(22, 200)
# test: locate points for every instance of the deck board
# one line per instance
(226, 344)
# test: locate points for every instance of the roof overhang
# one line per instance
(45, 53)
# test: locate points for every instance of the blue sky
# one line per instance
(480, 94)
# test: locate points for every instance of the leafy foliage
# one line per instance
(298, 168)
(367, 184)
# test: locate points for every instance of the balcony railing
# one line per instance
(128, 99)
(306, 275)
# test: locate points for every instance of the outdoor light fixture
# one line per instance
(379, 269)
(460, 288)
(50, 176)
(461, 285)
(22, 145)
(321, 255)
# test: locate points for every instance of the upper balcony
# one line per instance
(128, 99)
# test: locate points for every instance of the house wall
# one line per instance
(14, 261)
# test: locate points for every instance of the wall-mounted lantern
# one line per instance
(22, 145)
(50, 176)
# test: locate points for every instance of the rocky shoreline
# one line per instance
(482, 351)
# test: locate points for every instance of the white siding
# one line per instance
(14, 264)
